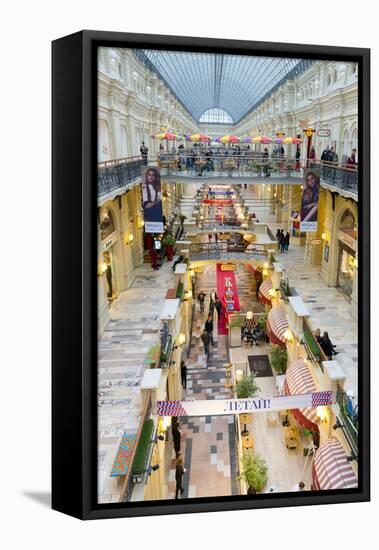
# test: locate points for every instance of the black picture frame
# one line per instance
(74, 294)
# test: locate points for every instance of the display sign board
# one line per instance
(238, 406)
(152, 199)
(315, 242)
(323, 132)
(309, 199)
(228, 267)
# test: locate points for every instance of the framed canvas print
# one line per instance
(210, 275)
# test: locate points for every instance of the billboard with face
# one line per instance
(152, 200)
(309, 200)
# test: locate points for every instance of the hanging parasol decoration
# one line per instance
(168, 136)
(200, 137)
(217, 140)
(247, 139)
(262, 139)
(289, 140)
(280, 140)
(230, 139)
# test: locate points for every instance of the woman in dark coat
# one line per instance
(179, 471)
(176, 436)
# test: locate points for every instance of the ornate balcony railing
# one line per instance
(348, 419)
(254, 166)
(118, 175)
(225, 251)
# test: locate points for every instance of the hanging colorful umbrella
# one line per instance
(262, 139)
(229, 139)
(217, 140)
(247, 139)
(168, 136)
(200, 137)
(289, 140)
(280, 140)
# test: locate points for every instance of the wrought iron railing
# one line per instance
(225, 251)
(348, 419)
(344, 176)
(118, 174)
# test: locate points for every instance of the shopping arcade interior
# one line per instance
(258, 198)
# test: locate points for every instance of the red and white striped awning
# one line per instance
(331, 469)
(277, 324)
(299, 380)
(264, 295)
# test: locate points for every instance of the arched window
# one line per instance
(346, 139)
(348, 223)
(216, 116)
(334, 78)
(107, 225)
(329, 80)
(104, 152)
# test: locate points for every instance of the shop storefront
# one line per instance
(108, 237)
(347, 254)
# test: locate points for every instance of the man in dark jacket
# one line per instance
(209, 328)
(183, 372)
(201, 299)
(176, 436)
(206, 341)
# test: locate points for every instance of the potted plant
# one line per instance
(169, 242)
(246, 387)
(254, 472)
(278, 359)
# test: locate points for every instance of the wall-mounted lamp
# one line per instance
(249, 315)
(288, 336)
(323, 236)
(181, 339)
(322, 416)
(129, 238)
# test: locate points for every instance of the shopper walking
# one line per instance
(206, 341)
(201, 298)
(218, 306)
(183, 372)
(287, 241)
(179, 472)
(176, 436)
(209, 328)
(297, 160)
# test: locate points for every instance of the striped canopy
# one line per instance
(299, 380)
(277, 324)
(331, 469)
(264, 294)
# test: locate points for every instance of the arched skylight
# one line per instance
(234, 83)
(216, 116)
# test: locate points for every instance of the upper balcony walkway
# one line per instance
(117, 176)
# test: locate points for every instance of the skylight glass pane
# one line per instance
(235, 84)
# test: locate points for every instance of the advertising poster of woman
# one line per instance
(309, 200)
(152, 200)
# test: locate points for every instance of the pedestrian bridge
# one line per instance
(205, 253)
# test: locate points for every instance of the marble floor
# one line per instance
(208, 443)
(132, 330)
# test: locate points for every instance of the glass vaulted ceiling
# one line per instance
(234, 83)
